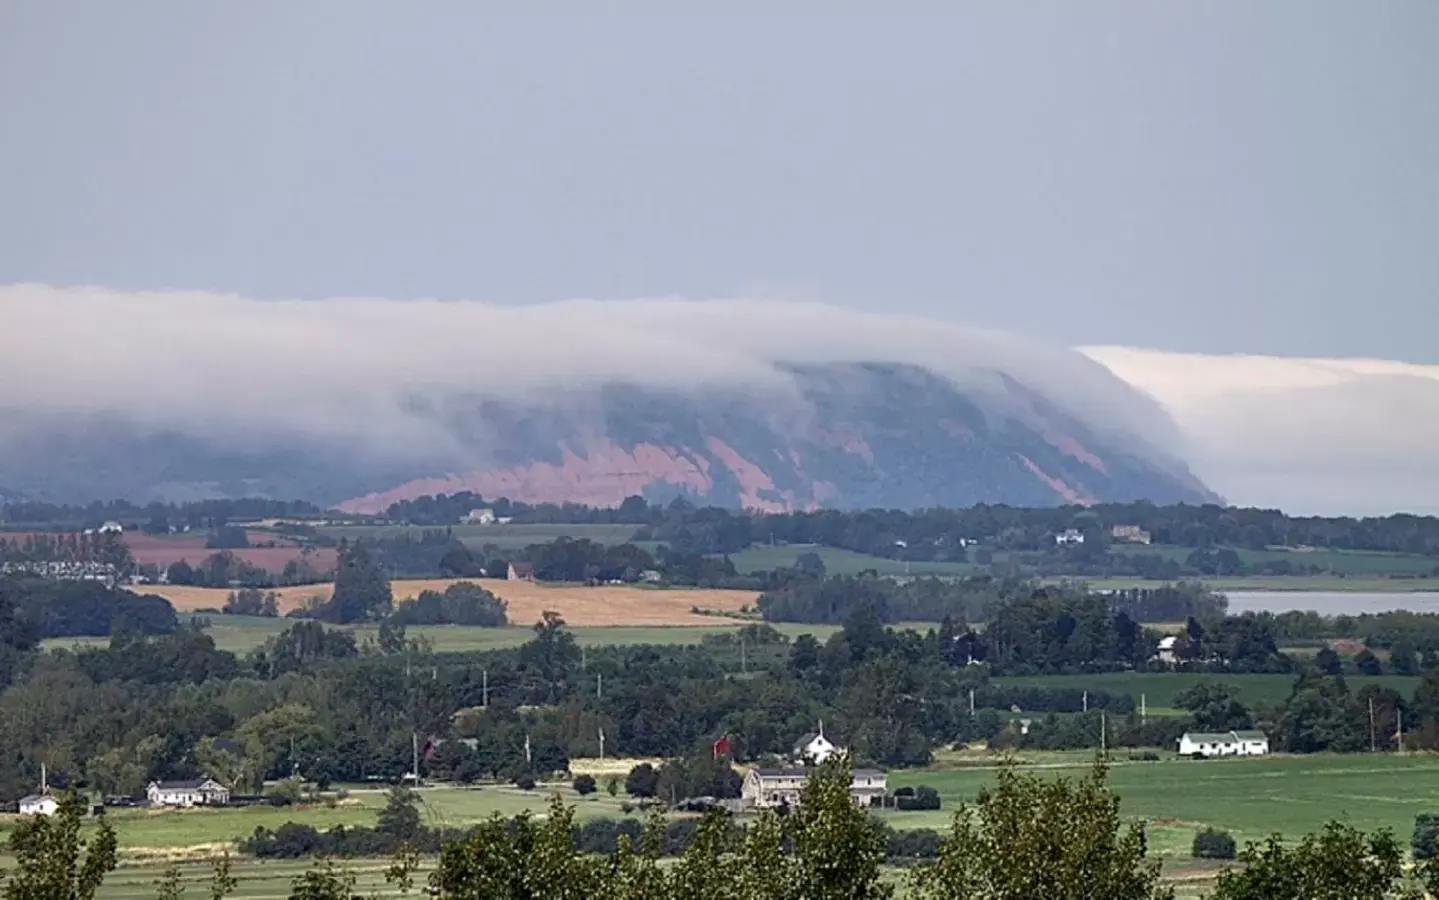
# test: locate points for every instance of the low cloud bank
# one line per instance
(377, 377)
(379, 374)
(1356, 436)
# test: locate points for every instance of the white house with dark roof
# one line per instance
(814, 747)
(192, 792)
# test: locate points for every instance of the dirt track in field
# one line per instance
(581, 606)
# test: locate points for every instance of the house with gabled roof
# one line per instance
(190, 792)
(1228, 743)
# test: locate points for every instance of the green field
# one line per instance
(1339, 562)
(1159, 688)
(761, 558)
(1250, 798)
(241, 634)
(506, 537)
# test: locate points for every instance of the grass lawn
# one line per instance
(1159, 688)
(1250, 798)
(1325, 583)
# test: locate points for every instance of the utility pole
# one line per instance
(485, 688)
(1143, 711)
(1086, 701)
(743, 664)
(1103, 732)
(583, 657)
(971, 703)
(1371, 725)
(602, 743)
(599, 685)
(527, 749)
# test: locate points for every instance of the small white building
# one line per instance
(1069, 537)
(194, 792)
(39, 805)
(1166, 649)
(1231, 743)
(1130, 534)
(112, 528)
(485, 516)
(814, 747)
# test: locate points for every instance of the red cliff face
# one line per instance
(881, 436)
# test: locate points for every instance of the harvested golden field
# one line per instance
(581, 606)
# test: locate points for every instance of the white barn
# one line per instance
(39, 805)
(1230, 743)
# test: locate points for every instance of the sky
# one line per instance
(1230, 181)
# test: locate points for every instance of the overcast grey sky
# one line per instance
(1217, 177)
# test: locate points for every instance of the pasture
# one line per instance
(1338, 562)
(1250, 798)
(241, 634)
(505, 537)
(1159, 688)
(761, 558)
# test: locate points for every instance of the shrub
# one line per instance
(1426, 836)
(584, 785)
(1211, 844)
(525, 782)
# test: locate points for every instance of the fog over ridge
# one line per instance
(372, 370)
(370, 374)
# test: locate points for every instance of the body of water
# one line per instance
(1331, 603)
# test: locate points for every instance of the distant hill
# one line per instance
(855, 436)
(844, 435)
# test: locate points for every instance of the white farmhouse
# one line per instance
(1231, 743)
(768, 788)
(482, 516)
(1069, 537)
(1166, 649)
(39, 805)
(195, 792)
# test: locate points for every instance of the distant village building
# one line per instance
(1166, 649)
(39, 805)
(194, 792)
(521, 571)
(63, 570)
(769, 788)
(1130, 534)
(814, 747)
(112, 528)
(484, 516)
(1232, 743)
(1069, 537)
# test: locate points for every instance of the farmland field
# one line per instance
(1339, 562)
(580, 605)
(1250, 798)
(1160, 687)
(839, 562)
(241, 634)
(506, 537)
